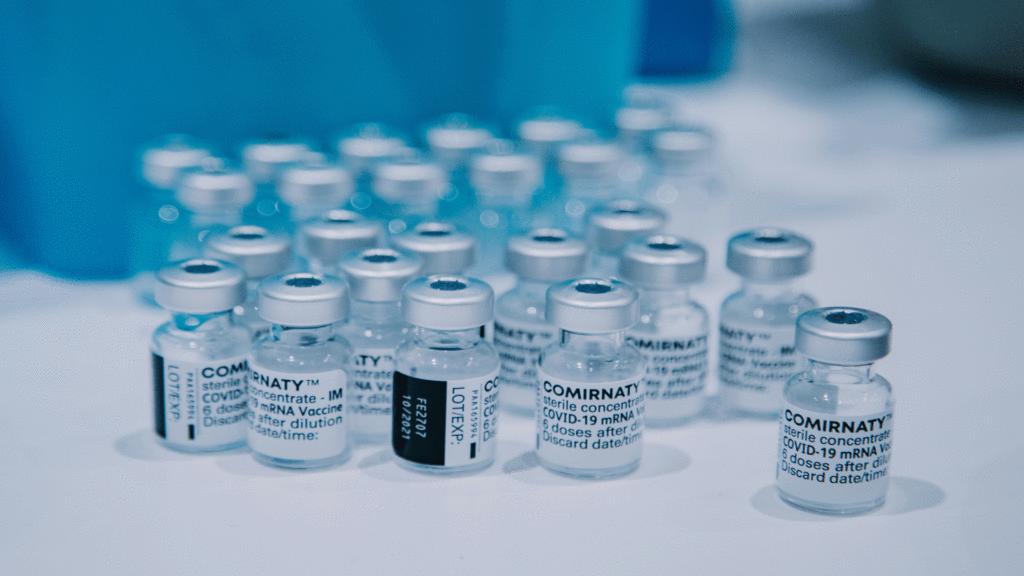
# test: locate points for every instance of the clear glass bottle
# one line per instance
(321, 243)
(311, 187)
(538, 259)
(446, 380)
(444, 249)
(200, 367)
(213, 197)
(452, 143)
(407, 191)
(298, 385)
(375, 329)
(542, 134)
(590, 397)
(757, 325)
(361, 151)
(260, 254)
(264, 161)
(611, 226)
(835, 427)
(672, 333)
(636, 123)
(590, 177)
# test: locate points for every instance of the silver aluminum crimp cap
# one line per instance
(447, 302)
(252, 248)
(371, 143)
(336, 233)
(200, 286)
(591, 305)
(769, 255)
(544, 132)
(265, 161)
(163, 165)
(410, 180)
(505, 173)
(214, 187)
(590, 160)
(379, 274)
(619, 221)
(443, 248)
(681, 147)
(315, 181)
(546, 255)
(843, 336)
(641, 119)
(662, 262)
(455, 138)
(303, 299)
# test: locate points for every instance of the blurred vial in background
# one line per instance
(360, 152)
(264, 162)
(443, 248)
(643, 115)
(407, 191)
(311, 187)
(542, 134)
(612, 226)
(322, 242)
(259, 254)
(213, 197)
(452, 143)
(590, 177)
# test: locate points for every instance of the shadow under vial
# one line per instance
(905, 495)
(658, 460)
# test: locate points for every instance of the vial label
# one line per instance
(833, 460)
(445, 423)
(202, 405)
(373, 372)
(755, 362)
(519, 344)
(587, 425)
(297, 416)
(676, 369)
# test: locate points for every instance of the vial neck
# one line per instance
(202, 322)
(302, 335)
(319, 266)
(376, 312)
(823, 373)
(302, 212)
(658, 299)
(532, 290)
(228, 217)
(603, 345)
(446, 339)
(769, 290)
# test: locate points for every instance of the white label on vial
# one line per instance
(297, 416)
(676, 369)
(589, 425)
(519, 344)
(755, 362)
(833, 460)
(202, 405)
(372, 371)
(445, 423)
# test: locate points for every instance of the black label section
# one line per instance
(418, 419)
(158, 396)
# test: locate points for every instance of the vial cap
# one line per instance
(619, 221)
(546, 255)
(447, 302)
(662, 262)
(162, 166)
(545, 131)
(769, 254)
(455, 138)
(338, 232)
(303, 299)
(410, 180)
(315, 182)
(596, 160)
(200, 286)
(682, 146)
(443, 248)
(591, 306)
(370, 144)
(505, 173)
(252, 248)
(264, 161)
(379, 274)
(843, 336)
(214, 187)
(637, 120)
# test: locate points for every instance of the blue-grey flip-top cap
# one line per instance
(371, 143)
(264, 161)
(336, 233)
(200, 286)
(448, 302)
(662, 262)
(444, 249)
(546, 255)
(162, 166)
(591, 306)
(214, 188)
(379, 274)
(769, 254)
(253, 249)
(410, 180)
(843, 336)
(303, 299)
(619, 221)
(315, 181)
(590, 160)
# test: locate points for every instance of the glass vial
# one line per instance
(260, 254)
(542, 134)
(758, 324)
(636, 124)
(590, 398)
(312, 187)
(452, 143)
(322, 242)
(375, 328)
(264, 162)
(360, 153)
(538, 259)
(590, 177)
(612, 225)
(213, 197)
(444, 249)
(407, 191)
(835, 427)
(200, 367)
(672, 333)
(298, 387)
(446, 379)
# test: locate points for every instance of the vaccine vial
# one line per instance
(311, 187)
(538, 259)
(360, 152)
(322, 242)
(443, 248)
(259, 254)
(407, 191)
(672, 333)
(452, 144)
(614, 224)
(298, 386)
(590, 177)
(446, 379)
(636, 123)
(213, 197)
(264, 162)
(590, 398)
(835, 427)
(758, 324)
(200, 366)
(542, 134)
(375, 328)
